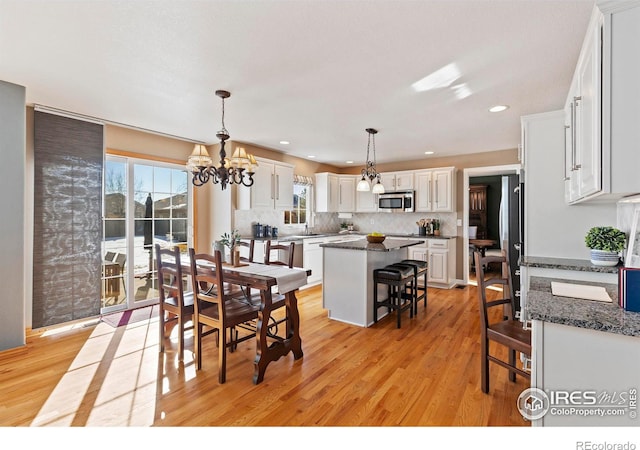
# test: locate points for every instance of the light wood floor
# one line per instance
(424, 374)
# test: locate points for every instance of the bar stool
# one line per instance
(420, 269)
(398, 278)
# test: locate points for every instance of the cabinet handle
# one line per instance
(575, 166)
(277, 187)
(340, 195)
(436, 192)
(272, 184)
(566, 178)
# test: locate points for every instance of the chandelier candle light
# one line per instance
(370, 170)
(237, 170)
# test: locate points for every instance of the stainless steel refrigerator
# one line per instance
(511, 223)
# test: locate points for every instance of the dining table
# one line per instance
(270, 279)
(482, 244)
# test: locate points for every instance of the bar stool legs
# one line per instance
(420, 269)
(399, 279)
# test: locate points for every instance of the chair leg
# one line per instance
(161, 326)
(512, 363)
(375, 302)
(484, 371)
(222, 356)
(180, 337)
(198, 345)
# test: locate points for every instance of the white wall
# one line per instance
(553, 228)
(12, 235)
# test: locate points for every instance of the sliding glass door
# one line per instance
(146, 203)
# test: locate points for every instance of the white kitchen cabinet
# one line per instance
(366, 201)
(572, 359)
(440, 255)
(442, 262)
(583, 151)
(335, 193)
(312, 259)
(346, 194)
(326, 189)
(602, 108)
(397, 181)
(272, 187)
(436, 190)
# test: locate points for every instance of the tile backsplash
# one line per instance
(330, 223)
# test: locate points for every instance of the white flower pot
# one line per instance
(604, 258)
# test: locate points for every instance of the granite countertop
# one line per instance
(361, 244)
(300, 237)
(595, 315)
(580, 265)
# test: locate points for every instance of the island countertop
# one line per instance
(387, 245)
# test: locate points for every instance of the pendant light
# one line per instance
(364, 185)
(237, 170)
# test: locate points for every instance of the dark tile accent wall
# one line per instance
(68, 162)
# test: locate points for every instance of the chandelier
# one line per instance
(370, 169)
(237, 170)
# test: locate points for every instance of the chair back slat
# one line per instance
(288, 249)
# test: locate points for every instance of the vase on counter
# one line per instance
(422, 231)
(604, 258)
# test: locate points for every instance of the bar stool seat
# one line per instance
(399, 279)
(420, 269)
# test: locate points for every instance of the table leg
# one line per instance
(266, 353)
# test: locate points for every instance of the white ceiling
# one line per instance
(315, 73)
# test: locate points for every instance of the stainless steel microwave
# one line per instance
(397, 201)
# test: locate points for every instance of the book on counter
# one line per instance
(629, 288)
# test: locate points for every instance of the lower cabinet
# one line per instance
(590, 376)
(441, 256)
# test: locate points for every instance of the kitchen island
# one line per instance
(347, 287)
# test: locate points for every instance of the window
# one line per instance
(301, 204)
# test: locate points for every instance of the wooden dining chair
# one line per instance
(217, 310)
(250, 244)
(174, 301)
(283, 249)
(507, 332)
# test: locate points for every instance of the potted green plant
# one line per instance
(231, 240)
(605, 243)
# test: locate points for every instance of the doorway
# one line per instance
(145, 203)
(480, 173)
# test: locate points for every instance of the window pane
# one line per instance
(142, 179)
(179, 206)
(162, 180)
(179, 180)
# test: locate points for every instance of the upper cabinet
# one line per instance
(436, 190)
(397, 181)
(601, 110)
(272, 187)
(335, 193)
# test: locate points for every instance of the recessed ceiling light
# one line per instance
(311, 156)
(429, 153)
(285, 142)
(349, 162)
(498, 108)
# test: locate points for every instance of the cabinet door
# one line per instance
(423, 191)
(283, 187)
(366, 201)
(587, 109)
(443, 190)
(404, 181)
(346, 194)
(438, 266)
(388, 180)
(262, 194)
